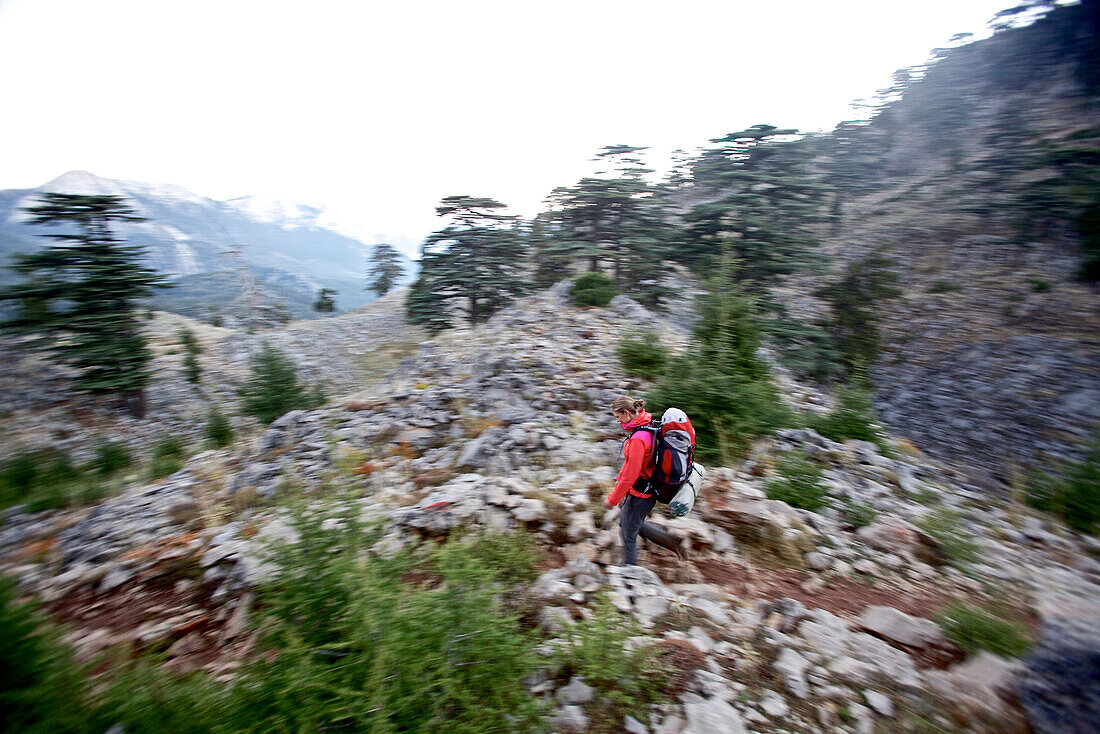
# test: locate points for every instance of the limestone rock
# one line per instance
(896, 626)
(712, 716)
(576, 692)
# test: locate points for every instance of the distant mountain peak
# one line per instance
(81, 182)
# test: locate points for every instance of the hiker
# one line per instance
(633, 484)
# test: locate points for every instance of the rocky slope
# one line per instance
(973, 177)
(802, 621)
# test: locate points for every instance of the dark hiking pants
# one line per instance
(631, 522)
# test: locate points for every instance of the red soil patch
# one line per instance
(840, 597)
(123, 612)
(682, 658)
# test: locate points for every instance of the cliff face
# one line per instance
(979, 180)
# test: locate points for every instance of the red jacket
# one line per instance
(637, 460)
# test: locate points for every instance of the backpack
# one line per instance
(673, 452)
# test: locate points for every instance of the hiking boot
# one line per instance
(683, 549)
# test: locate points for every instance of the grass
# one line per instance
(857, 514)
(167, 458)
(851, 417)
(626, 681)
(974, 628)
(956, 544)
(799, 483)
(1075, 496)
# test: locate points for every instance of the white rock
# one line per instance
(774, 705)
(902, 628)
(576, 692)
(792, 667)
(881, 703)
(712, 716)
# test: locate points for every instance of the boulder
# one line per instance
(576, 692)
(712, 716)
(887, 533)
(903, 629)
(792, 667)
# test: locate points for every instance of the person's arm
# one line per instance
(632, 468)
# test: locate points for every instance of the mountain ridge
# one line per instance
(190, 235)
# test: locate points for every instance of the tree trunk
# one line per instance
(135, 402)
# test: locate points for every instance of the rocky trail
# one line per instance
(796, 621)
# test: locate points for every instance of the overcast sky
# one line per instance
(377, 110)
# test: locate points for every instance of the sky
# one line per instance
(378, 110)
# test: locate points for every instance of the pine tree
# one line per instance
(474, 264)
(721, 382)
(384, 269)
(855, 299)
(80, 296)
(325, 303)
(273, 387)
(767, 200)
(613, 220)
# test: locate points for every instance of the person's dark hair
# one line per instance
(624, 402)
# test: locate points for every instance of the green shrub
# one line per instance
(167, 458)
(973, 629)
(944, 286)
(1039, 285)
(40, 684)
(1075, 497)
(592, 289)
(642, 355)
(855, 301)
(857, 514)
(273, 388)
(219, 432)
(850, 418)
(956, 544)
(191, 350)
(404, 643)
(111, 457)
(728, 410)
(44, 480)
(627, 681)
(147, 699)
(421, 640)
(799, 483)
(806, 349)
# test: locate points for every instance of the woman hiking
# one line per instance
(633, 483)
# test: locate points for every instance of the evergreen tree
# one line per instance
(325, 302)
(720, 382)
(613, 220)
(475, 264)
(854, 298)
(384, 269)
(80, 296)
(767, 200)
(191, 352)
(273, 387)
